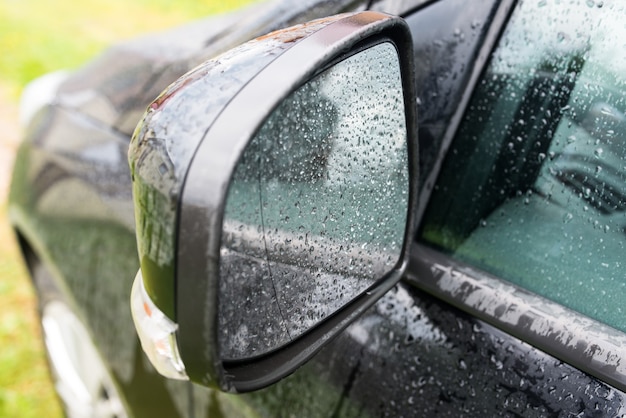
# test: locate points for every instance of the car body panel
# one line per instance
(409, 355)
(413, 355)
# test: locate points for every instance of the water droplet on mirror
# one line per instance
(568, 217)
(496, 362)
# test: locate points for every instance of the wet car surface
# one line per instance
(489, 319)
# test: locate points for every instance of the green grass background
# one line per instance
(38, 36)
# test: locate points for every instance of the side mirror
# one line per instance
(274, 188)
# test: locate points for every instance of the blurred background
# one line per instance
(38, 36)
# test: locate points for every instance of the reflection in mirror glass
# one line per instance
(317, 207)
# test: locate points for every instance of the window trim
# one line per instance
(585, 343)
(574, 338)
(497, 26)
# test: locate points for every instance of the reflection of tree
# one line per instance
(154, 185)
(153, 173)
(106, 251)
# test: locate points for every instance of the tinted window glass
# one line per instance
(446, 38)
(534, 186)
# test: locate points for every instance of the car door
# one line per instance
(512, 303)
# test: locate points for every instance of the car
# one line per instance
(352, 208)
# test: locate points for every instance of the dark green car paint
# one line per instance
(410, 355)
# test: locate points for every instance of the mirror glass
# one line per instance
(317, 207)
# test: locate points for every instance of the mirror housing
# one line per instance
(183, 157)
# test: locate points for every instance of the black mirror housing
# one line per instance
(183, 157)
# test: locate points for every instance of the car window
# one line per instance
(533, 189)
(446, 39)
